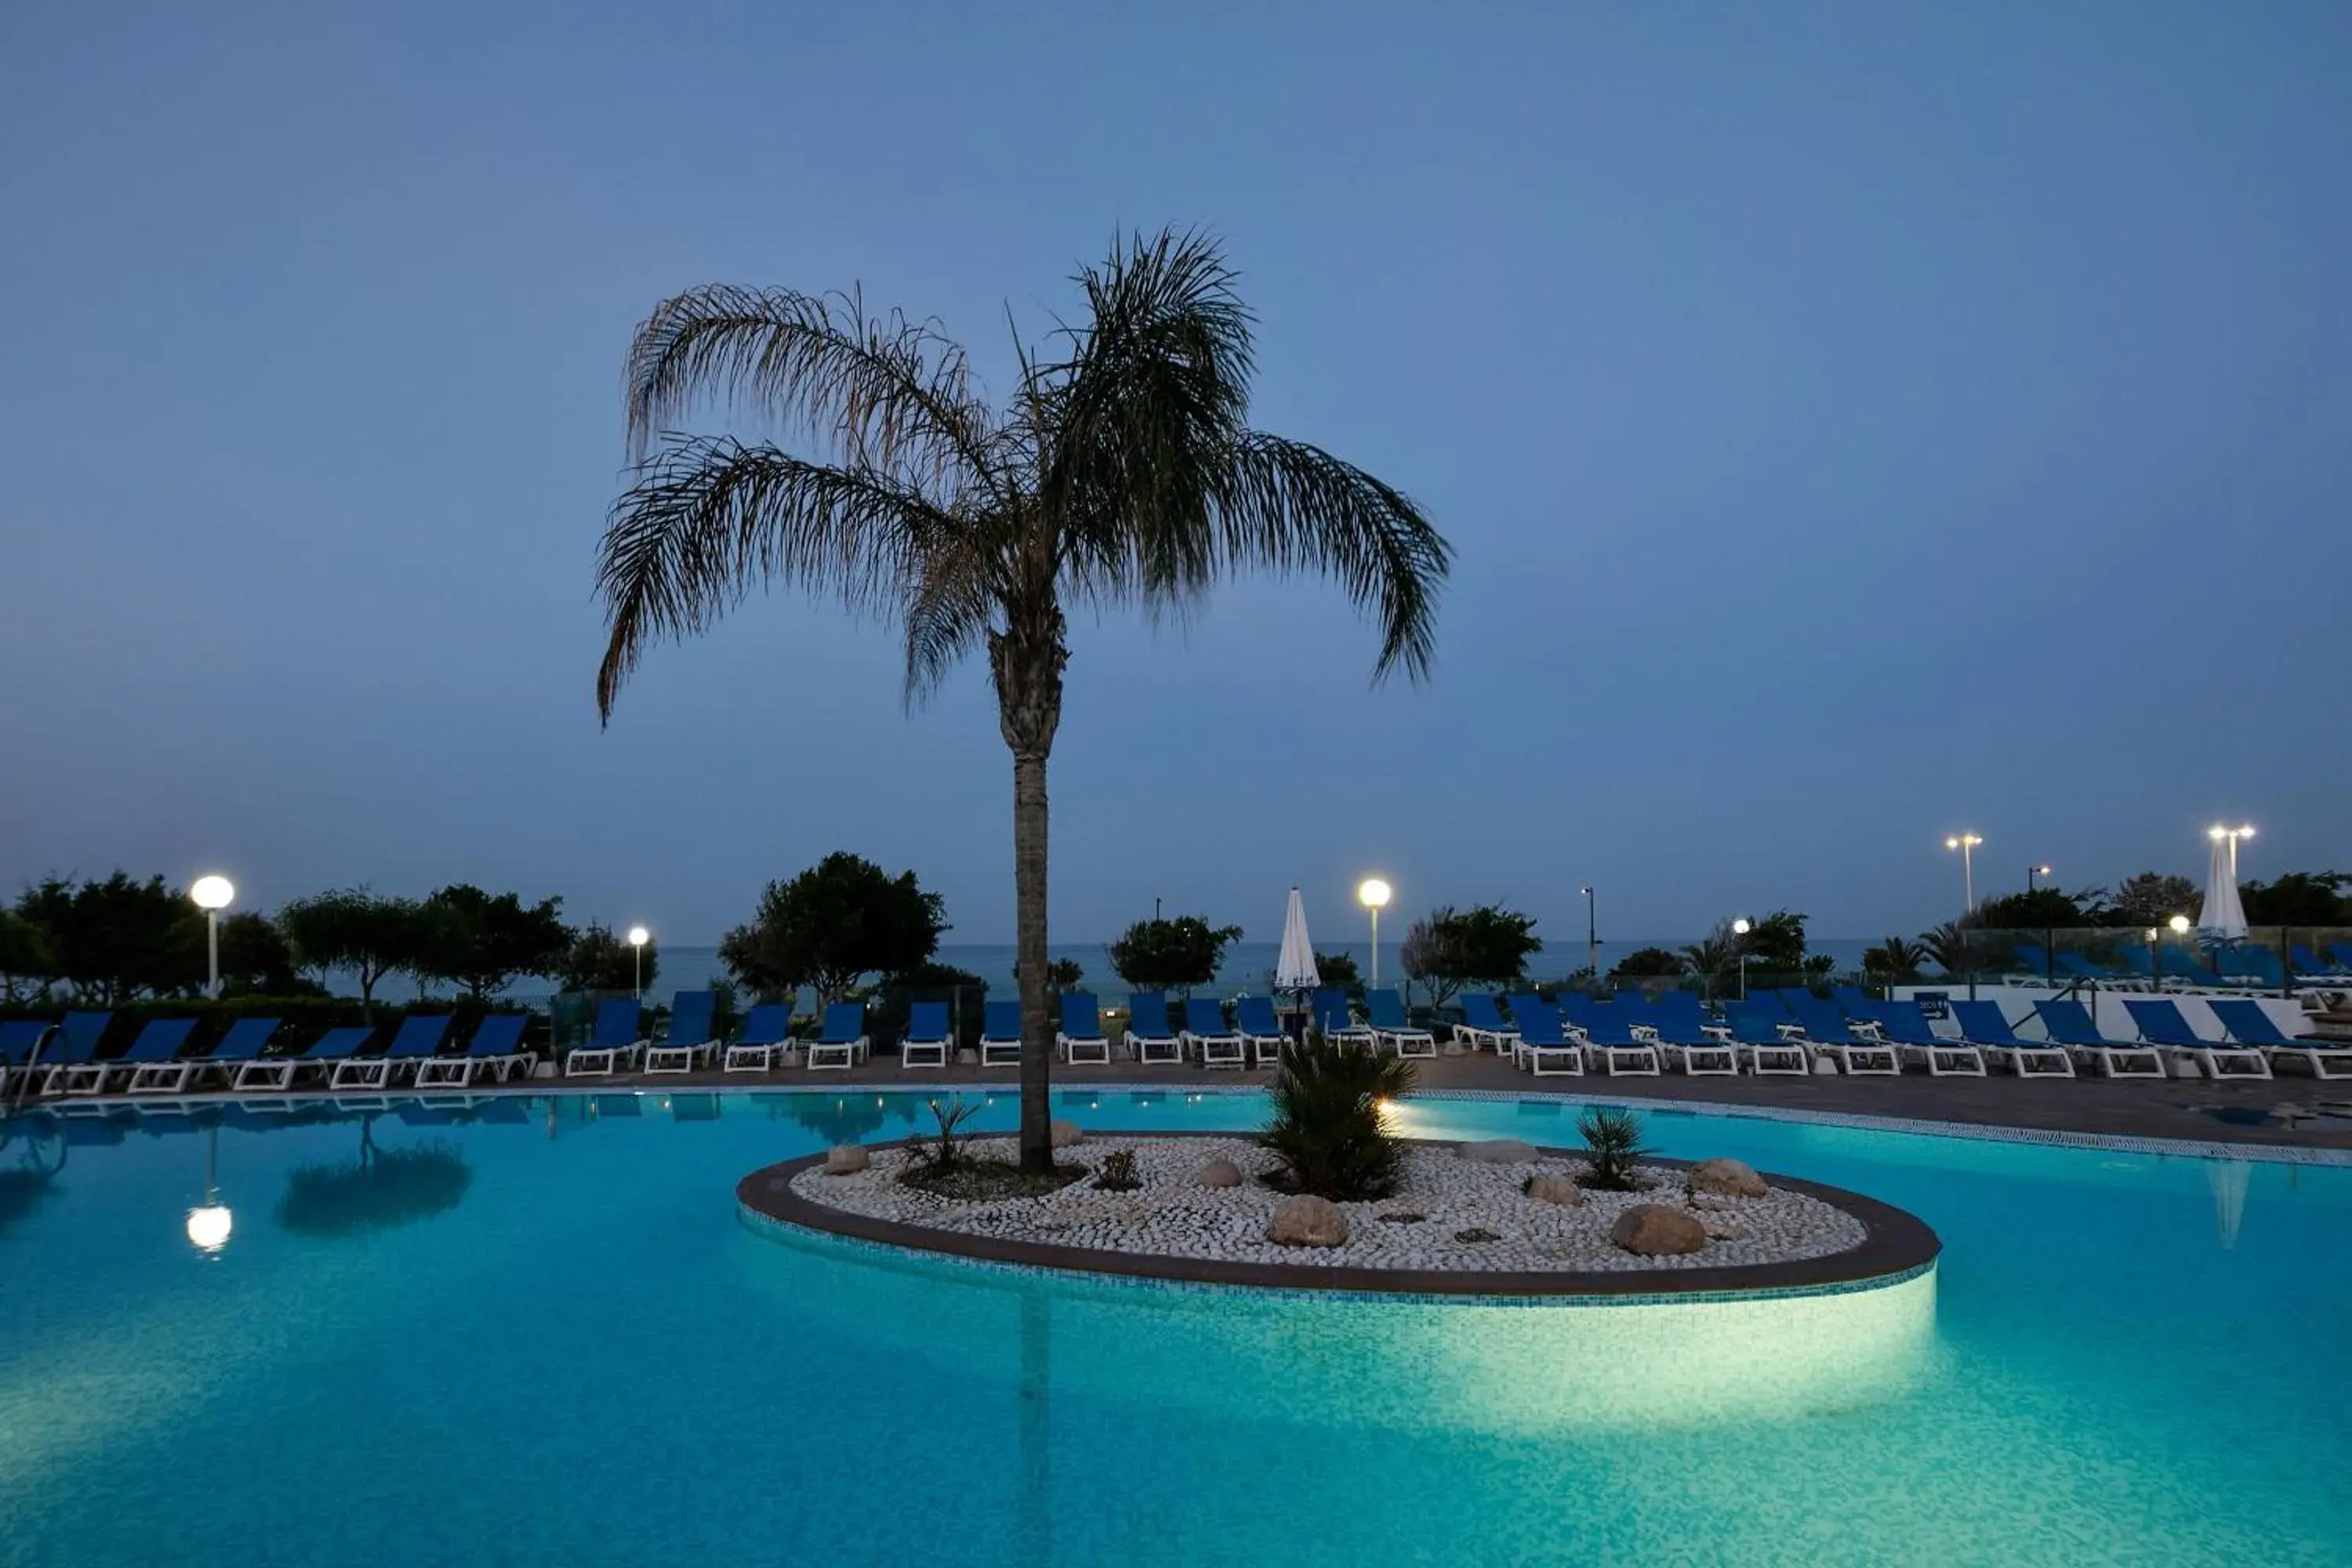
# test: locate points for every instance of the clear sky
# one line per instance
(1856, 423)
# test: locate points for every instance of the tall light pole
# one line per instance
(1740, 928)
(2033, 871)
(1591, 937)
(1372, 892)
(212, 894)
(638, 937)
(1966, 843)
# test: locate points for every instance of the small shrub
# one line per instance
(1116, 1171)
(1612, 1147)
(942, 1153)
(1326, 1134)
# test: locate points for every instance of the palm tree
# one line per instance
(1118, 472)
(1715, 957)
(1894, 957)
(1950, 946)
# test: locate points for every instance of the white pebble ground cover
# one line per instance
(1173, 1214)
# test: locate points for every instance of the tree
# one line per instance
(1448, 948)
(840, 920)
(1119, 472)
(2043, 909)
(1338, 969)
(357, 930)
(2149, 899)
(1716, 960)
(480, 942)
(1063, 974)
(1163, 954)
(25, 967)
(1953, 947)
(256, 960)
(115, 940)
(1894, 958)
(2298, 898)
(1645, 963)
(600, 961)
(1775, 944)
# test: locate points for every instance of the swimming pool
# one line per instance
(547, 1338)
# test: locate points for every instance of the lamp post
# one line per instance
(2033, 871)
(1966, 843)
(638, 937)
(212, 894)
(2232, 834)
(1372, 892)
(209, 1223)
(1592, 938)
(1741, 927)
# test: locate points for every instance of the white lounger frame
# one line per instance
(1565, 1060)
(754, 1057)
(1423, 1043)
(460, 1071)
(1265, 1050)
(1790, 1057)
(1157, 1046)
(1637, 1060)
(1505, 1042)
(602, 1061)
(1096, 1046)
(937, 1051)
(1224, 1049)
(820, 1054)
(2225, 1059)
(2122, 1061)
(1000, 1053)
(2320, 1061)
(2030, 1059)
(1720, 1059)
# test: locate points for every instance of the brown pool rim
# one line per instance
(1895, 1246)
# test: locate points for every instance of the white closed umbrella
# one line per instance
(2223, 918)
(1295, 969)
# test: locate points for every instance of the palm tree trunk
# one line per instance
(1026, 662)
(1029, 937)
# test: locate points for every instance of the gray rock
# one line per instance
(1561, 1190)
(1220, 1173)
(1732, 1178)
(1067, 1134)
(843, 1158)
(1500, 1151)
(1307, 1221)
(1653, 1230)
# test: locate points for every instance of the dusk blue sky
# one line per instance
(1854, 423)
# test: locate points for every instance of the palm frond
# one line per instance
(1289, 507)
(708, 519)
(887, 393)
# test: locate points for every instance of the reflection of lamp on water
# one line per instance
(2228, 1178)
(209, 1223)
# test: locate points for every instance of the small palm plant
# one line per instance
(1326, 1133)
(1612, 1147)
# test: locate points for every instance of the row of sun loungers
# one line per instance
(41, 1059)
(2244, 967)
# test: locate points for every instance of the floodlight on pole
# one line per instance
(638, 937)
(213, 893)
(1373, 892)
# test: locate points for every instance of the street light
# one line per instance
(1966, 843)
(1741, 927)
(2219, 833)
(638, 937)
(2033, 871)
(1372, 892)
(212, 894)
(209, 1223)
(1592, 938)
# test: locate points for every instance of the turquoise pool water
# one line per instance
(547, 1338)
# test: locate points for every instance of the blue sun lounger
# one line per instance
(688, 1043)
(2251, 1024)
(613, 1039)
(1336, 1021)
(1544, 1048)
(1984, 1026)
(1826, 1029)
(1483, 1024)
(1905, 1025)
(2075, 966)
(160, 1041)
(765, 1030)
(841, 1039)
(496, 1048)
(929, 1037)
(1680, 1026)
(2031, 960)
(1754, 1027)
(74, 1044)
(2069, 1023)
(1000, 1034)
(2160, 1022)
(1392, 1031)
(1261, 1030)
(19, 1039)
(1608, 1034)
(1148, 1037)
(416, 1040)
(246, 1040)
(2310, 967)
(1081, 1034)
(1205, 1037)
(327, 1052)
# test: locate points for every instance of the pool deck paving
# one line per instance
(2176, 1108)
